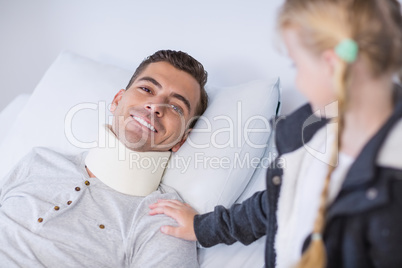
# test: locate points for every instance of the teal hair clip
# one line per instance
(347, 50)
(316, 236)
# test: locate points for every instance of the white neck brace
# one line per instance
(124, 170)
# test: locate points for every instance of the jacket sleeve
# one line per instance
(385, 232)
(245, 222)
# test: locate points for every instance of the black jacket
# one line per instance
(364, 223)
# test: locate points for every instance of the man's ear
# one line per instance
(116, 100)
(183, 139)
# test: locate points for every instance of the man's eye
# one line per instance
(145, 89)
(177, 109)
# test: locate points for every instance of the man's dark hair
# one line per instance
(183, 62)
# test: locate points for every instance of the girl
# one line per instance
(344, 209)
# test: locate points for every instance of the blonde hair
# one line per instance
(376, 27)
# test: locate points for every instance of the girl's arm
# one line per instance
(244, 222)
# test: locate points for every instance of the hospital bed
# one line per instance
(90, 52)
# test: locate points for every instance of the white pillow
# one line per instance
(11, 112)
(221, 154)
(73, 86)
(72, 100)
(240, 255)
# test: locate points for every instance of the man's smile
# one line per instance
(144, 123)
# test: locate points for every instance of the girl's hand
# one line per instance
(182, 213)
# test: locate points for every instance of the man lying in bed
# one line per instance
(91, 210)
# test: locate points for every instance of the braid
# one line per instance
(315, 255)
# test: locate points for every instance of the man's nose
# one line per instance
(157, 109)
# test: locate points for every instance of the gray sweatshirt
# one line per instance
(53, 215)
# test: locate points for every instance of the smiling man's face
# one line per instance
(153, 114)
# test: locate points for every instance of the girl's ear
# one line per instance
(330, 59)
(116, 100)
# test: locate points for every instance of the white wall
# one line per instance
(234, 39)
